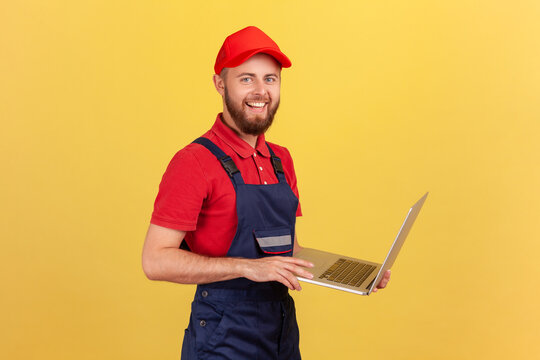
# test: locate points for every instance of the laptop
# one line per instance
(356, 275)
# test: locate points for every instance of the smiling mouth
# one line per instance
(255, 104)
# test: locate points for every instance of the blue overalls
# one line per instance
(242, 319)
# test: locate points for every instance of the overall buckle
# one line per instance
(229, 165)
(278, 166)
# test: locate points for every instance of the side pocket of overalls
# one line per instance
(208, 324)
(274, 241)
(188, 346)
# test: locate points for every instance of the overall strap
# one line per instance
(225, 160)
(278, 166)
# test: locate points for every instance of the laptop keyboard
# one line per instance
(348, 272)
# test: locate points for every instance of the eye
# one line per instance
(271, 80)
(245, 80)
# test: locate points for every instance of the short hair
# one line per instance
(223, 73)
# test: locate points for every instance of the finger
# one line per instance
(282, 279)
(296, 261)
(285, 280)
(278, 275)
(291, 279)
(385, 280)
(299, 271)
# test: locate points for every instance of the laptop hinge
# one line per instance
(371, 283)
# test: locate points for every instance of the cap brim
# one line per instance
(278, 55)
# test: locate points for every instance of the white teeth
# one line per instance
(257, 104)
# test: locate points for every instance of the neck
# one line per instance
(227, 120)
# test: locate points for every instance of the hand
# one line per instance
(277, 268)
(384, 281)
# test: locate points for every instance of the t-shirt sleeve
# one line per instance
(290, 176)
(182, 191)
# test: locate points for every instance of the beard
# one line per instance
(258, 124)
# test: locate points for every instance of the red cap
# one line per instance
(243, 44)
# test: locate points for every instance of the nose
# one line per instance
(259, 88)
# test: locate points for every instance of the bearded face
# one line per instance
(254, 114)
(251, 93)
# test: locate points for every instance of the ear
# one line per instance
(219, 83)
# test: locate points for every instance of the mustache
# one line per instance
(258, 98)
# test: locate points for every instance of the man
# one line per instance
(225, 214)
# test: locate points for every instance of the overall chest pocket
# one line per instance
(275, 241)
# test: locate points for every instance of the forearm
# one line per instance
(184, 267)
(163, 260)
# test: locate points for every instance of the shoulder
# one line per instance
(192, 155)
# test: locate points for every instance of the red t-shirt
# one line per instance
(196, 195)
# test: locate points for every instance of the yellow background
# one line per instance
(385, 100)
